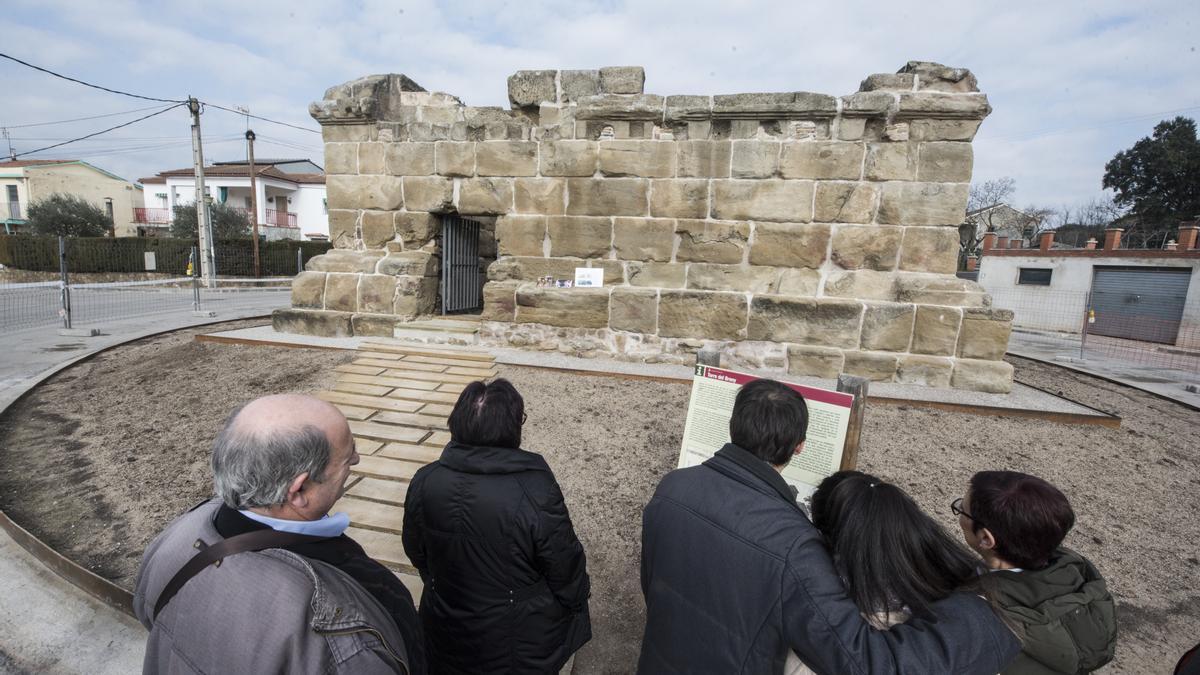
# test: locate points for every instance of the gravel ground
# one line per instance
(100, 458)
(96, 460)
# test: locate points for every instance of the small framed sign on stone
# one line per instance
(589, 277)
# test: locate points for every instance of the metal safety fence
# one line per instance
(1085, 328)
(170, 283)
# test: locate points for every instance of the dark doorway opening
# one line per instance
(462, 284)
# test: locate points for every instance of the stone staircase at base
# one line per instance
(459, 330)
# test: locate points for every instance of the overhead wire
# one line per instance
(89, 84)
(103, 131)
(1099, 125)
(79, 119)
(261, 118)
(177, 102)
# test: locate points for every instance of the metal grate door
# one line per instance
(461, 287)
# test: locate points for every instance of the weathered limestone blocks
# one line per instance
(795, 231)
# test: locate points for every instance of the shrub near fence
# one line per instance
(235, 257)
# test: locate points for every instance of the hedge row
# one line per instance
(235, 257)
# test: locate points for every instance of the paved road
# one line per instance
(24, 306)
(1126, 366)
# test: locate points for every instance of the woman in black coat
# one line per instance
(506, 584)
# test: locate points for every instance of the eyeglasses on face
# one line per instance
(957, 509)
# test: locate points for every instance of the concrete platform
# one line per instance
(1023, 401)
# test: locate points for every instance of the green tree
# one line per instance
(68, 216)
(227, 222)
(1159, 177)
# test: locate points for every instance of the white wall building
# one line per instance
(1144, 294)
(291, 203)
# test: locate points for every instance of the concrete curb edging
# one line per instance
(1113, 380)
(98, 587)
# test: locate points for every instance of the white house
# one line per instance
(291, 196)
(1141, 294)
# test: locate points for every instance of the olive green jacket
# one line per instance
(1063, 614)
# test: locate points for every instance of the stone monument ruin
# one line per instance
(795, 231)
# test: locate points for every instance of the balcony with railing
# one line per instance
(280, 218)
(148, 216)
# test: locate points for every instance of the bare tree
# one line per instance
(987, 194)
(982, 196)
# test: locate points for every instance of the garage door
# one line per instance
(1139, 303)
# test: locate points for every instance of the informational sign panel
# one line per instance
(151, 261)
(711, 406)
(589, 277)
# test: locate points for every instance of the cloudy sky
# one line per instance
(1072, 83)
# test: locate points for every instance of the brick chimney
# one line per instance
(1112, 238)
(1001, 242)
(972, 263)
(989, 241)
(1189, 233)
(1046, 241)
(1091, 244)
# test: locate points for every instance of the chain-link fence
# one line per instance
(1074, 321)
(83, 282)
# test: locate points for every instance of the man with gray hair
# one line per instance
(263, 578)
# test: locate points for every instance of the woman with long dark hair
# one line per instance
(895, 560)
(506, 583)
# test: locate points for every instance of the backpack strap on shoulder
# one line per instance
(213, 555)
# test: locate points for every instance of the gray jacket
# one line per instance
(267, 612)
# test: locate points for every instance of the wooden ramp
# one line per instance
(397, 397)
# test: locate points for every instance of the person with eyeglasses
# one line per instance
(1053, 596)
(486, 526)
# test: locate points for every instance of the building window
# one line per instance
(1034, 276)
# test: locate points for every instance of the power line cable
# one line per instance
(1099, 125)
(261, 118)
(104, 131)
(287, 144)
(88, 84)
(80, 119)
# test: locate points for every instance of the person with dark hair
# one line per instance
(506, 583)
(1055, 596)
(896, 561)
(735, 575)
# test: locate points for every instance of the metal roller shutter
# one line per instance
(1139, 303)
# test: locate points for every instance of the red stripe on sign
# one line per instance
(809, 393)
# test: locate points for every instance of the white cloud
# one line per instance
(1067, 68)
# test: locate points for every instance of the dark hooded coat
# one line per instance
(506, 584)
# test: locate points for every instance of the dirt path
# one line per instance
(100, 459)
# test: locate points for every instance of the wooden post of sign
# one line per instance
(852, 384)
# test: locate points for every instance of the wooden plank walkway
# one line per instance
(397, 397)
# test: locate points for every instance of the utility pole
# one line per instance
(204, 225)
(253, 199)
(12, 154)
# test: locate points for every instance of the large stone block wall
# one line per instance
(798, 231)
